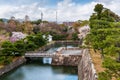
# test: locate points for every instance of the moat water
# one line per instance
(40, 69)
(36, 70)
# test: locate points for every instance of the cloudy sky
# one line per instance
(67, 10)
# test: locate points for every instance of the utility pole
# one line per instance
(41, 16)
(56, 16)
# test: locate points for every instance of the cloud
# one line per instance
(67, 10)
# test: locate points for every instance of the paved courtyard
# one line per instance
(75, 52)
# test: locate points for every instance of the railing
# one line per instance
(43, 54)
(39, 55)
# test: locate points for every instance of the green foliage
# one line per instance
(104, 36)
(37, 22)
(115, 24)
(36, 29)
(75, 36)
(101, 28)
(98, 8)
(112, 66)
(7, 44)
(105, 15)
(37, 39)
(65, 29)
(118, 78)
(99, 24)
(1, 20)
(59, 36)
(2, 58)
(13, 49)
(104, 76)
(7, 48)
(7, 60)
(18, 48)
(30, 46)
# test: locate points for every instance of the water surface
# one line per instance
(35, 70)
(38, 69)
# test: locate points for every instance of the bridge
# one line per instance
(44, 55)
(48, 54)
(39, 55)
(60, 52)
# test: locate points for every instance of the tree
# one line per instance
(7, 52)
(7, 48)
(100, 29)
(75, 36)
(19, 48)
(1, 20)
(37, 39)
(30, 46)
(100, 24)
(113, 45)
(37, 22)
(36, 29)
(98, 9)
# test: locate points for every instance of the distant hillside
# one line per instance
(4, 19)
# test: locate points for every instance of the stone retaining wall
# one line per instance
(12, 66)
(86, 70)
(69, 42)
(66, 59)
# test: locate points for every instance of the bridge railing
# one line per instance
(40, 55)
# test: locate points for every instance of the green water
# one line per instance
(36, 70)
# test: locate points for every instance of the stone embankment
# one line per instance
(69, 42)
(82, 60)
(67, 59)
(86, 70)
(12, 66)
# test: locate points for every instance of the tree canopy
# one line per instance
(104, 36)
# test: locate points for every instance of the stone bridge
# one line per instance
(44, 55)
(62, 51)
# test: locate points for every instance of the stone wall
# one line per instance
(66, 59)
(72, 60)
(86, 70)
(69, 42)
(12, 66)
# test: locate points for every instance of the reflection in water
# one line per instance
(35, 70)
(47, 60)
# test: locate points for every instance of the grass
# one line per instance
(97, 61)
(1, 66)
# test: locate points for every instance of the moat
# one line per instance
(41, 69)
(37, 70)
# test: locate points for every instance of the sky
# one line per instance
(67, 10)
